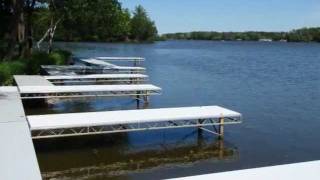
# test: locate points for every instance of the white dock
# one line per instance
(298, 171)
(135, 59)
(31, 80)
(101, 78)
(81, 69)
(17, 154)
(96, 62)
(38, 87)
(44, 92)
(76, 124)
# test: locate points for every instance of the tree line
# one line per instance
(25, 24)
(299, 35)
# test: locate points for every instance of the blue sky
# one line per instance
(230, 15)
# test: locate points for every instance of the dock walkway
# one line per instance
(135, 59)
(82, 69)
(31, 80)
(297, 171)
(96, 62)
(98, 78)
(76, 124)
(17, 154)
(38, 87)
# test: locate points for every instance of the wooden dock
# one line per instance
(17, 154)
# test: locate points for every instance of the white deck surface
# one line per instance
(17, 155)
(31, 80)
(56, 121)
(109, 65)
(298, 171)
(85, 88)
(96, 76)
(121, 58)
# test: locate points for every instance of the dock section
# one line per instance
(45, 92)
(31, 80)
(99, 78)
(17, 154)
(82, 69)
(298, 171)
(96, 62)
(90, 123)
(137, 59)
(38, 87)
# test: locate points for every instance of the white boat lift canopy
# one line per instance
(76, 124)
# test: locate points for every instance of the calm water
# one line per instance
(276, 86)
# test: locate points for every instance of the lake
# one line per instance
(276, 86)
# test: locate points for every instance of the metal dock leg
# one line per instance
(221, 127)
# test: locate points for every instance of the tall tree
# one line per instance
(142, 27)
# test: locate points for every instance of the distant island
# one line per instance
(298, 35)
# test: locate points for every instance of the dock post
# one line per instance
(199, 128)
(221, 148)
(138, 97)
(135, 63)
(146, 99)
(200, 138)
(221, 127)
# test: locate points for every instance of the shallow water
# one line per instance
(276, 86)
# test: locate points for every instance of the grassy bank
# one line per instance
(31, 66)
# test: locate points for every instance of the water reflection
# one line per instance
(111, 156)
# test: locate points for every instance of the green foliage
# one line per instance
(142, 28)
(95, 20)
(8, 69)
(31, 65)
(36, 60)
(300, 35)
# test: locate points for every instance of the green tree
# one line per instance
(142, 27)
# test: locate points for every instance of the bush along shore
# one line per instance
(31, 65)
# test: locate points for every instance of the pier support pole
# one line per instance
(221, 127)
(146, 99)
(200, 134)
(221, 148)
(138, 97)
